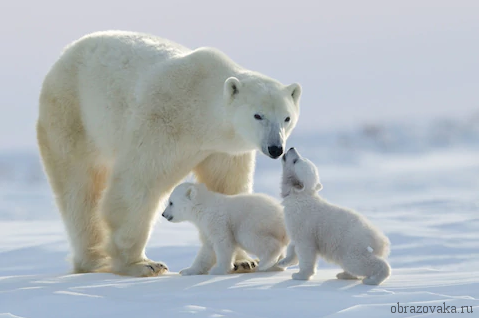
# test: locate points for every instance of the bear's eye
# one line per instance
(287, 119)
(258, 117)
(171, 203)
(294, 161)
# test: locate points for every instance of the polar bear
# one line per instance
(226, 223)
(315, 226)
(124, 117)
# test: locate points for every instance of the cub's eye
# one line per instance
(287, 119)
(171, 203)
(295, 160)
(258, 117)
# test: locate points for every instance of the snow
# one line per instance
(417, 181)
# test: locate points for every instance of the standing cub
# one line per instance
(227, 224)
(315, 226)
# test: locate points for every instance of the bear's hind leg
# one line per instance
(229, 174)
(77, 185)
(243, 262)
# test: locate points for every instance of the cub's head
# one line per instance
(265, 111)
(299, 174)
(182, 201)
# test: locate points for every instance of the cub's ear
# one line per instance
(298, 186)
(318, 187)
(295, 91)
(191, 192)
(231, 88)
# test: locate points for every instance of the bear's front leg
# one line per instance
(205, 259)
(128, 208)
(229, 174)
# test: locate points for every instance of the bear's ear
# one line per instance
(318, 187)
(191, 192)
(231, 88)
(295, 91)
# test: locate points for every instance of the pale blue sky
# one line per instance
(358, 61)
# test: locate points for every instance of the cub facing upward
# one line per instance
(315, 226)
(227, 224)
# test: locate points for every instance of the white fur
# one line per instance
(124, 117)
(317, 227)
(227, 223)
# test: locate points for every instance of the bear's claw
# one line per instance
(156, 268)
(245, 266)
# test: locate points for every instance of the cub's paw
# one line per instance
(275, 268)
(285, 262)
(372, 281)
(218, 271)
(345, 275)
(301, 276)
(190, 271)
(245, 266)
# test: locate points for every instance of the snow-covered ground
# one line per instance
(419, 182)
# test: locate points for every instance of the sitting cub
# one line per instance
(253, 222)
(315, 226)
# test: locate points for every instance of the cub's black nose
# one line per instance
(163, 215)
(275, 151)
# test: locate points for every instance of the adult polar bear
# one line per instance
(124, 117)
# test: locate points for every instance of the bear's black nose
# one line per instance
(275, 151)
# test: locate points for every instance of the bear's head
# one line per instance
(299, 174)
(264, 111)
(182, 201)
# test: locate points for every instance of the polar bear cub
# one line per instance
(227, 224)
(315, 226)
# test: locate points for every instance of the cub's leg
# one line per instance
(307, 255)
(375, 269)
(346, 276)
(291, 258)
(224, 249)
(205, 259)
(229, 174)
(269, 252)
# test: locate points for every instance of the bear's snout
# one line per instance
(275, 151)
